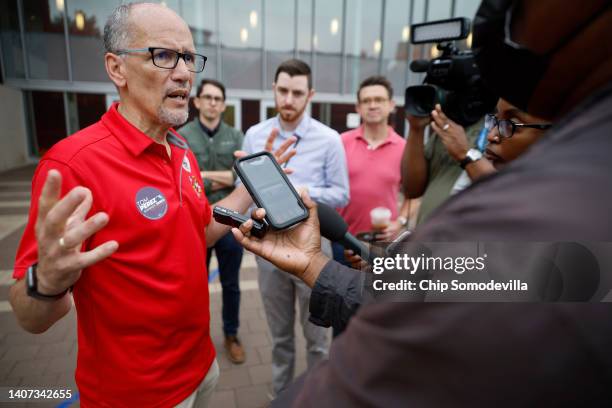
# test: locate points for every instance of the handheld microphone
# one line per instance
(334, 228)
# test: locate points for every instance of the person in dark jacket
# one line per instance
(545, 58)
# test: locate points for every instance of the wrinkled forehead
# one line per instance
(506, 110)
(210, 89)
(296, 82)
(373, 91)
(155, 25)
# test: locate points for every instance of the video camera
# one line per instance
(453, 80)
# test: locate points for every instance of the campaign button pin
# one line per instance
(151, 203)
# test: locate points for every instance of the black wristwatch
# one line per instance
(32, 286)
(472, 155)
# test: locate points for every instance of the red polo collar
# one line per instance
(132, 138)
(389, 140)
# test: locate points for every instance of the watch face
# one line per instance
(474, 154)
(30, 277)
(32, 286)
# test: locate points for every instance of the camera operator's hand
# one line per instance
(417, 123)
(452, 134)
(296, 250)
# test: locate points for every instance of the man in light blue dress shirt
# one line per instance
(320, 167)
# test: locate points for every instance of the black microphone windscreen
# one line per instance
(333, 226)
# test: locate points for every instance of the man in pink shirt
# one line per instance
(373, 154)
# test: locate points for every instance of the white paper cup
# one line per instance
(380, 218)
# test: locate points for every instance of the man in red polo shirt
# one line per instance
(120, 216)
(373, 154)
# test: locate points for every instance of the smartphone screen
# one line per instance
(269, 186)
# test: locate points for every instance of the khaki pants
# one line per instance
(201, 396)
(279, 293)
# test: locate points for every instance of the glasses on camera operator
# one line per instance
(510, 133)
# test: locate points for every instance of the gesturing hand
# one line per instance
(61, 228)
(281, 155)
(296, 250)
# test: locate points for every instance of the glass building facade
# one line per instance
(52, 50)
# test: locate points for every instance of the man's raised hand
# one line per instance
(281, 154)
(61, 228)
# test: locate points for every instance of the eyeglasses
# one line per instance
(506, 127)
(210, 98)
(377, 100)
(168, 59)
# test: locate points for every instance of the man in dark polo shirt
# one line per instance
(214, 142)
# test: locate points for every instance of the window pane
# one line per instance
(12, 51)
(250, 113)
(466, 8)
(363, 42)
(90, 108)
(315, 111)
(270, 112)
(45, 41)
(73, 114)
(305, 30)
(339, 111)
(396, 43)
(47, 110)
(418, 13)
(229, 116)
(86, 19)
(200, 15)
(240, 29)
(418, 50)
(438, 10)
(328, 45)
(279, 35)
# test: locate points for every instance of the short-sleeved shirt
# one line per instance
(374, 176)
(213, 153)
(143, 313)
(443, 172)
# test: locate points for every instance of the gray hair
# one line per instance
(116, 33)
(116, 29)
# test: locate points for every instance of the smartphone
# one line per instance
(270, 189)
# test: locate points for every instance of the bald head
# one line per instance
(129, 21)
(153, 96)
